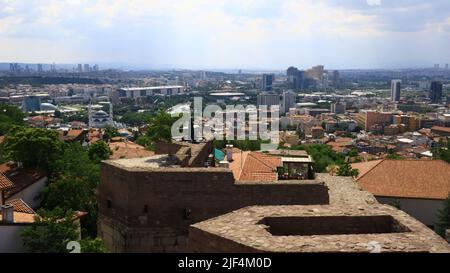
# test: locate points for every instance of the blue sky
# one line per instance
(227, 34)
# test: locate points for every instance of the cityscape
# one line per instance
(123, 156)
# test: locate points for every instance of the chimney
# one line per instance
(7, 214)
(229, 151)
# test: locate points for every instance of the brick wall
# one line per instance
(151, 211)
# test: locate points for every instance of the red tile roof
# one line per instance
(255, 166)
(5, 183)
(424, 179)
(20, 177)
(20, 206)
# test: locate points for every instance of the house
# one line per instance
(418, 187)
(28, 183)
(15, 214)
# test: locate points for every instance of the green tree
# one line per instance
(110, 132)
(99, 151)
(443, 218)
(89, 245)
(9, 116)
(443, 151)
(347, 170)
(72, 186)
(322, 154)
(160, 127)
(33, 147)
(353, 152)
(50, 232)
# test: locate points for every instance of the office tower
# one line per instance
(338, 108)
(436, 92)
(79, 68)
(53, 68)
(95, 68)
(395, 90)
(267, 82)
(446, 66)
(295, 78)
(288, 101)
(436, 66)
(39, 68)
(86, 68)
(336, 79)
(240, 71)
(203, 75)
(268, 99)
(31, 104)
(14, 67)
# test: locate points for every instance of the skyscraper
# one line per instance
(395, 90)
(267, 82)
(287, 101)
(336, 80)
(79, 68)
(436, 92)
(86, 68)
(39, 68)
(295, 78)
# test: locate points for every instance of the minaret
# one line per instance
(111, 114)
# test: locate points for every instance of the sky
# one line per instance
(227, 34)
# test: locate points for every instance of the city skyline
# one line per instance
(364, 34)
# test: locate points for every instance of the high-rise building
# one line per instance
(288, 101)
(53, 68)
(336, 80)
(395, 90)
(86, 68)
(295, 78)
(338, 108)
(31, 104)
(268, 99)
(267, 82)
(95, 68)
(79, 68)
(203, 75)
(39, 68)
(14, 67)
(436, 92)
(436, 66)
(446, 66)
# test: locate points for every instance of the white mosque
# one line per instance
(101, 119)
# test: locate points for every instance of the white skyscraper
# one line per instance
(396, 86)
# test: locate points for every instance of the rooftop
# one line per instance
(320, 228)
(151, 88)
(426, 179)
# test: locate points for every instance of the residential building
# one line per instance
(338, 108)
(288, 100)
(268, 99)
(368, 118)
(418, 187)
(138, 92)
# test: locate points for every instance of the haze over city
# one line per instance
(230, 34)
